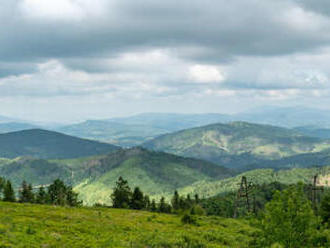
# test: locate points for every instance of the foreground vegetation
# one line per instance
(26, 225)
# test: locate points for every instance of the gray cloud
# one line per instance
(108, 50)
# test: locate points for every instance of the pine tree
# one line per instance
(196, 199)
(41, 197)
(57, 193)
(72, 198)
(162, 206)
(176, 201)
(146, 201)
(137, 201)
(121, 195)
(8, 192)
(153, 206)
(26, 193)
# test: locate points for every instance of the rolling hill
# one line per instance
(314, 131)
(40, 143)
(155, 172)
(94, 177)
(237, 144)
(135, 130)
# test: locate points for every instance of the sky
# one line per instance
(70, 60)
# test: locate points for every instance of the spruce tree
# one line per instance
(137, 201)
(26, 193)
(196, 198)
(8, 193)
(176, 201)
(41, 197)
(153, 206)
(57, 192)
(72, 198)
(146, 201)
(121, 196)
(163, 207)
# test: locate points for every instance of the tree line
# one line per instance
(124, 197)
(56, 193)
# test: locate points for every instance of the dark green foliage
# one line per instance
(42, 197)
(121, 196)
(60, 194)
(8, 192)
(289, 219)
(26, 194)
(325, 208)
(72, 198)
(188, 219)
(153, 206)
(164, 207)
(49, 145)
(137, 201)
(176, 201)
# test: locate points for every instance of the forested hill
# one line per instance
(237, 144)
(47, 144)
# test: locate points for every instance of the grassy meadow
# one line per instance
(25, 225)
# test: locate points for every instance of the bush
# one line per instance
(197, 210)
(188, 219)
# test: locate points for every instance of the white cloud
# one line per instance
(62, 9)
(206, 74)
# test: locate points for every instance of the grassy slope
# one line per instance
(24, 225)
(237, 144)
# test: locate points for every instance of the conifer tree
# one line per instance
(41, 197)
(121, 195)
(153, 206)
(164, 207)
(196, 198)
(8, 192)
(176, 201)
(57, 193)
(72, 198)
(146, 201)
(26, 193)
(137, 201)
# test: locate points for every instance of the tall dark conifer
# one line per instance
(8, 192)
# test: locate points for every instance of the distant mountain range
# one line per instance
(138, 129)
(49, 145)
(238, 145)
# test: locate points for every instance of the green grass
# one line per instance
(25, 225)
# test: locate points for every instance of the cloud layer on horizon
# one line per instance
(154, 56)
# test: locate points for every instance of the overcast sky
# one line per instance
(69, 60)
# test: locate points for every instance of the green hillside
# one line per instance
(237, 144)
(94, 177)
(156, 173)
(260, 176)
(25, 225)
(135, 130)
(47, 144)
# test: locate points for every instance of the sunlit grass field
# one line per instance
(25, 225)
